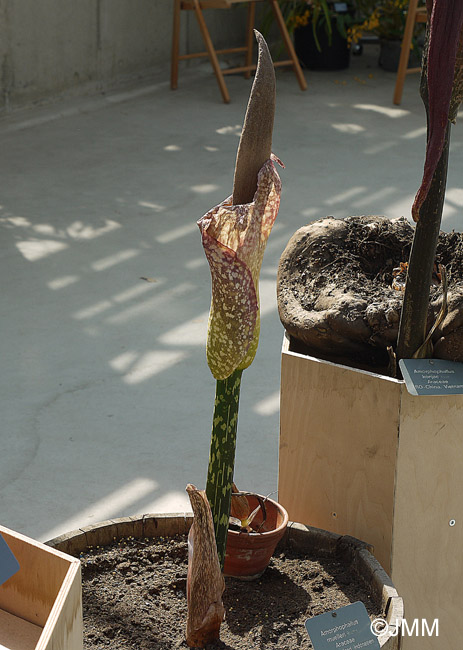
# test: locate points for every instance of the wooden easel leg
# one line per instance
(288, 44)
(405, 52)
(249, 36)
(175, 46)
(211, 52)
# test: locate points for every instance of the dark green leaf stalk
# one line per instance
(441, 90)
(222, 456)
(414, 319)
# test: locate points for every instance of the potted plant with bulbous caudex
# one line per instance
(359, 297)
(234, 235)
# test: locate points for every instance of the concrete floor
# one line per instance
(105, 395)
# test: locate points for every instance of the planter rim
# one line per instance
(370, 373)
(300, 536)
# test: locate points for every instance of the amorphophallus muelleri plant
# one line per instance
(234, 235)
(441, 90)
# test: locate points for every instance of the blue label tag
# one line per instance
(8, 563)
(348, 628)
(432, 376)
(340, 7)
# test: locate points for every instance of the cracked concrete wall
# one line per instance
(54, 47)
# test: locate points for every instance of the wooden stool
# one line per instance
(197, 6)
(415, 15)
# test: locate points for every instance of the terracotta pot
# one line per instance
(248, 554)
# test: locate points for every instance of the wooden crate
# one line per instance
(361, 456)
(41, 605)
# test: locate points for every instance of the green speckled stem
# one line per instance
(222, 456)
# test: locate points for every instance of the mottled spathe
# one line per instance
(234, 239)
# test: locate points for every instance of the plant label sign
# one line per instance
(346, 628)
(432, 376)
(9, 565)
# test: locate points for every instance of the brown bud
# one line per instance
(239, 507)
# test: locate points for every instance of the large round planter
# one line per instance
(331, 56)
(248, 554)
(305, 539)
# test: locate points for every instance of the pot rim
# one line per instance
(266, 533)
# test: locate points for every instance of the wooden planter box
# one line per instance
(361, 456)
(350, 551)
(41, 605)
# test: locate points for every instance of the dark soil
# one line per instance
(134, 596)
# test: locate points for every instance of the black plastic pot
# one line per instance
(389, 55)
(332, 56)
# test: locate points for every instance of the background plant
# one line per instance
(320, 14)
(383, 18)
